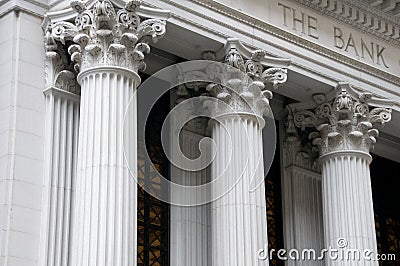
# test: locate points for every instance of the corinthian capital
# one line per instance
(104, 34)
(345, 122)
(243, 85)
(59, 72)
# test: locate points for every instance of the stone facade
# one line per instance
(70, 101)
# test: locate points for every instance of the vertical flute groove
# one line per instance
(238, 216)
(107, 220)
(302, 201)
(62, 115)
(348, 206)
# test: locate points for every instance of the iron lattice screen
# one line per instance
(388, 238)
(152, 246)
(273, 196)
(153, 214)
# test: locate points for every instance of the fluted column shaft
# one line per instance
(302, 213)
(347, 204)
(301, 201)
(236, 108)
(190, 225)
(105, 225)
(239, 222)
(62, 119)
(345, 135)
(107, 43)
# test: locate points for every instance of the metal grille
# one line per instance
(388, 238)
(152, 213)
(274, 208)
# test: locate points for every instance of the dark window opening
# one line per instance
(153, 214)
(385, 184)
(274, 206)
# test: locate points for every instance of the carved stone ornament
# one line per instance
(241, 86)
(59, 71)
(106, 35)
(298, 149)
(346, 122)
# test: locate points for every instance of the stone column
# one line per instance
(345, 135)
(190, 231)
(239, 221)
(111, 43)
(301, 196)
(238, 209)
(62, 121)
(190, 226)
(106, 224)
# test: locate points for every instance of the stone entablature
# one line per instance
(372, 19)
(323, 62)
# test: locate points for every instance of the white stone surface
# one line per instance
(238, 218)
(60, 166)
(104, 231)
(34, 7)
(216, 22)
(190, 226)
(22, 144)
(301, 200)
(302, 212)
(104, 228)
(345, 135)
(22, 134)
(347, 204)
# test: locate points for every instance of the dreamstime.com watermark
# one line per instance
(341, 252)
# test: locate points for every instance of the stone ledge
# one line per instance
(33, 7)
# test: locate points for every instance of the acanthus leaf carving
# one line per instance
(249, 95)
(239, 83)
(305, 118)
(57, 67)
(298, 150)
(109, 35)
(66, 80)
(343, 123)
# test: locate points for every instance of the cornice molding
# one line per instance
(365, 5)
(69, 13)
(29, 6)
(360, 16)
